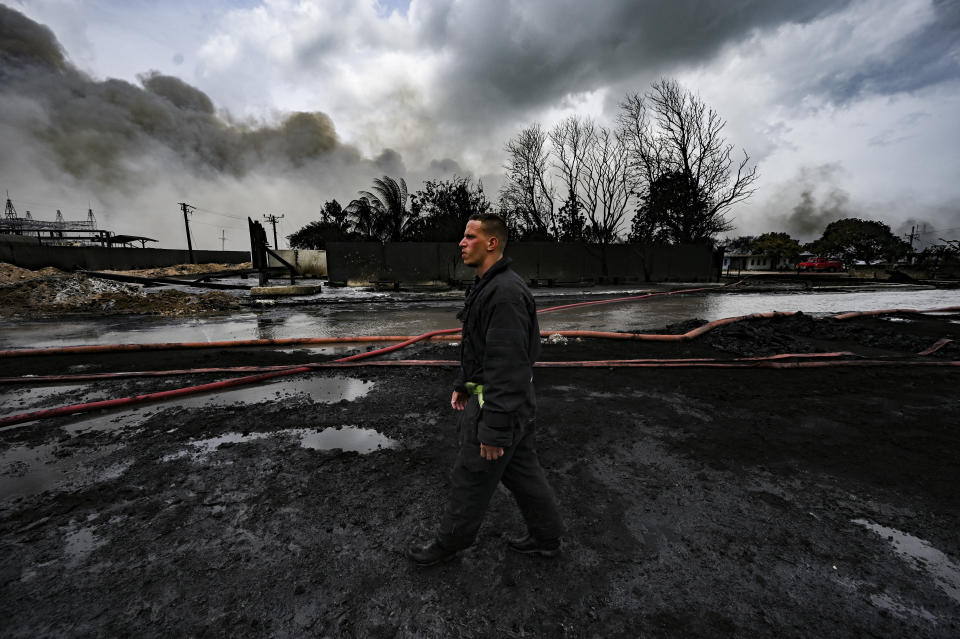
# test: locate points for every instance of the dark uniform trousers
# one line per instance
(474, 479)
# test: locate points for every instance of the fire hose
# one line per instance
(162, 395)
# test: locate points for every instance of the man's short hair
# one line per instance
(494, 225)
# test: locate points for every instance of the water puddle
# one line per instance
(398, 314)
(905, 320)
(30, 470)
(922, 556)
(17, 399)
(111, 421)
(317, 388)
(346, 438)
(354, 438)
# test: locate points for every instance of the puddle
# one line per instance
(347, 438)
(30, 470)
(111, 421)
(16, 399)
(905, 320)
(203, 447)
(318, 388)
(395, 314)
(923, 556)
(361, 440)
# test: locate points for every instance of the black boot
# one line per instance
(530, 545)
(430, 554)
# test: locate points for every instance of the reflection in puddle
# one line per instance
(347, 438)
(361, 440)
(944, 570)
(315, 387)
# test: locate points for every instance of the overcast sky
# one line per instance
(849, 107)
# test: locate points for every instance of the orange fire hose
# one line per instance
(190, 390)
(113, 403)
(90, 377)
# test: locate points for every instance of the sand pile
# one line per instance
(62, 293)
(10, 273)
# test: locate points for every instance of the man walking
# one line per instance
(494, 392)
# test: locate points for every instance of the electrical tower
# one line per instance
(187, 209)
(273, 219)
(9, 212)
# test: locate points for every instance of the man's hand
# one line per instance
(458, 401)
(490, 453)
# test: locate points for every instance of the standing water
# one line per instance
(401, 315)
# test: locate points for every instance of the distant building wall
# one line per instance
(307, 262)
(423, 262)
(94, 258)
(746, 262)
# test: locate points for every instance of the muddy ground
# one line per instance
(815, 502)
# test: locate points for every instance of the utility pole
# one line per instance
(273, 219)
(223, 239)
(912, 235)
(186, 208)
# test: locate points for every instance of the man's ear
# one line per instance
(493, 242)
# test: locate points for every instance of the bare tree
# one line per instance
(607, 184)
(572, 139)
(675, 139)
(529, 188)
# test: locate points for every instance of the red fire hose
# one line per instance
(139, 399)
(178, 392)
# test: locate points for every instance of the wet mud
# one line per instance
(699, 502)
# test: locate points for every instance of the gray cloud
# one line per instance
(122, 143)
(446, 166)
(926, 57)
(516, 56)
(94, 127)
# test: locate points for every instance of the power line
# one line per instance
(932, 231)
(235, 217)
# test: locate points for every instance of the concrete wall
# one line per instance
(425, 262)
(308, 262)
(94, 258)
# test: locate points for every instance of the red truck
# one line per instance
(821, 264)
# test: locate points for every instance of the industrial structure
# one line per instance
(62, 232)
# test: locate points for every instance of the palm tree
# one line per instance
(389, 199)
(366, 218)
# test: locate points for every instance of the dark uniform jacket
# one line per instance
(501, 341)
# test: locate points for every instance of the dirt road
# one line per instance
(706, 502)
